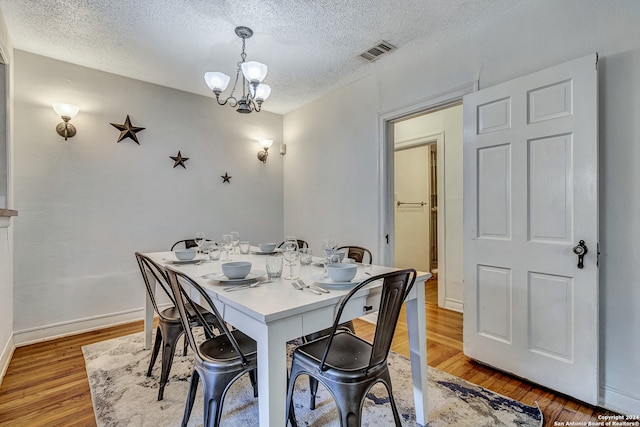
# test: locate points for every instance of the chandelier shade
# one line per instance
(216, 81)
(254, 71)
(252, 74)
(262, 91)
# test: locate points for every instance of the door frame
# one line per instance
(386, 182)
(436, 139)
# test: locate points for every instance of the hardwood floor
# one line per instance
(46, 383)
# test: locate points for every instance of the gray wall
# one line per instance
(87, 204)
(342, 130)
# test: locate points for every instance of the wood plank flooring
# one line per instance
(46, 383)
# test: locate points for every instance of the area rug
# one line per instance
(124, 396)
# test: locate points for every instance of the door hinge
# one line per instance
(598, 254)
(387, 238)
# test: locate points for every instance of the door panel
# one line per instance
(530, 194)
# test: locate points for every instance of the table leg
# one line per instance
(417, 329)
(272, 376)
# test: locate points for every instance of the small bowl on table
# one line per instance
(342, 272)
(185, 254)
(267, 247)
(236, 269)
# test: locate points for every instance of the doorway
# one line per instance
(423, 178)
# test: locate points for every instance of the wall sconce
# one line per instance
(66, 112)
(262, 154)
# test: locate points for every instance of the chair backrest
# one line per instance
(183, 288)
(358, 253)
(153, 275)
(301, 244)
(395, 289)
(186, 243)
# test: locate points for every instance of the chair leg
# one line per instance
(156, 350)
(186, 344)
(253, 377)
(313, 390)
(191, 397)
(386, 380)
(215, 389)
(171, 335)
(295, 372)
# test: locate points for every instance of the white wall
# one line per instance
(6, 224)
(338, 141)
(87, 204)
(619, 229)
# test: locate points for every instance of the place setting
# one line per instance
(266, 248)
(237, 275)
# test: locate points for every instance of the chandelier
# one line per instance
(254, 92)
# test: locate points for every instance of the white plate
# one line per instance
(185, 261)
(255, 274)
(259, 252)
(323, 279)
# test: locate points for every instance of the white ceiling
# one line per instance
(310, 46)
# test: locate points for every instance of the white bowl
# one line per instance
(267, 247)
(236, 269)
(185, 254)
(342, 272)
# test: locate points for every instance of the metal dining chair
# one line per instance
(358, 254)
(301, 244)
(347, 365)
(169, 326)
(219, 360)
(187, 243)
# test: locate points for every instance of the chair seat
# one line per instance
(349, 357)
(220, 350)
(172, 314)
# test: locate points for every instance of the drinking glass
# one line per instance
(227, 244)
(329, 246)
(235, 238)
(214, 252)
(274, 267)
(290, 254)
(244, 246)
(205, 247)
(199, 239)
(305, 256)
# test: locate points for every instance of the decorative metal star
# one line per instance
(179, 160)
(127, 130)
(226, 178)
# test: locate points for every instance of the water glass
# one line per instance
(274, 267)
(214, 252)
(235, 239)
(227, 244)
(305, 256)
(244, 247)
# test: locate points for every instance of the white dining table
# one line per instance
(275, 313)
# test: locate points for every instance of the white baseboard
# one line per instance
(619, 401)
(73, 327)
(5, 357)
(453, 304)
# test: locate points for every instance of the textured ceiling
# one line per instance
(310, 46)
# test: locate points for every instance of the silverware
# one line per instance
(240, 287)
(302, 287)
(317, 288)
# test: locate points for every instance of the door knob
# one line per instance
(581, 250)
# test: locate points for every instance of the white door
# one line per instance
(530, 195)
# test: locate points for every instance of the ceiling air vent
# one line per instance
(374, 52)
